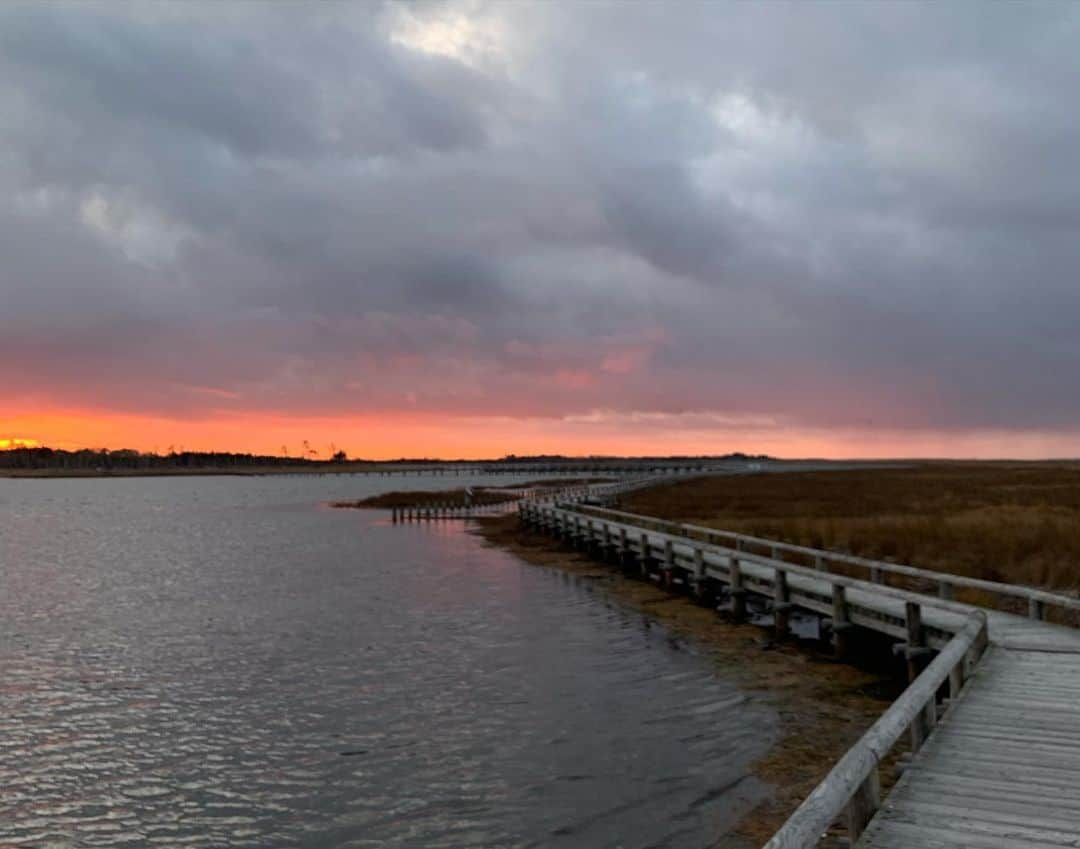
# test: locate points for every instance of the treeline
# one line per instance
(128, 459)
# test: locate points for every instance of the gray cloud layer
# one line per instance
(825, 214)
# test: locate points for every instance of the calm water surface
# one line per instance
(205, 662)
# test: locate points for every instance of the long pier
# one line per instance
(990, 720)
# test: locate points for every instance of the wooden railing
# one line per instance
(851, 790)
(946, 583)
(695, 564)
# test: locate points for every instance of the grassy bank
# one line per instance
(1009, 522)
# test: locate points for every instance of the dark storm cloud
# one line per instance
(821, 214)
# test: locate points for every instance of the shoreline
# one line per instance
(823, 705)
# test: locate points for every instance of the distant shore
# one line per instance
(343, 469)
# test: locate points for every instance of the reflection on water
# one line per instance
(221, 661)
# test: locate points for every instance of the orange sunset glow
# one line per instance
(416, 435)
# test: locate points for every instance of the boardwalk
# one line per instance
(993, 765)
(1000, 770)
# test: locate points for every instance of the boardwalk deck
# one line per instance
(998, 768)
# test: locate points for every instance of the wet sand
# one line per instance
(824, 705)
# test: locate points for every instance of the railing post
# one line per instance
(1036, 609)
(916, 640)
(738, 592)
(956, 680)
(875, 575)
(923, 721)
(930, 714)
(945, 591)
(917, 734)
(781, 602)
(669, 565)
(862, 806)
(700, 581)
(644, 560)
(840, 622)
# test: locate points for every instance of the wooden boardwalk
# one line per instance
(996, 764)
(1001, 768)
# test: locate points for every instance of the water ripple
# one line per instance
(216, 662)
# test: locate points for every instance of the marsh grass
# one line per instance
(1008, 522)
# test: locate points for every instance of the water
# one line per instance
(208, 662)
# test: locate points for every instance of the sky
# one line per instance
(472, 229)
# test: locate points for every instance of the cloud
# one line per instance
(824, 217)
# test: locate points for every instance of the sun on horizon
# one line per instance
(9, 442)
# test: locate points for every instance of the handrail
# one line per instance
(852, 785)
(1036, 598)
(745, 557)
